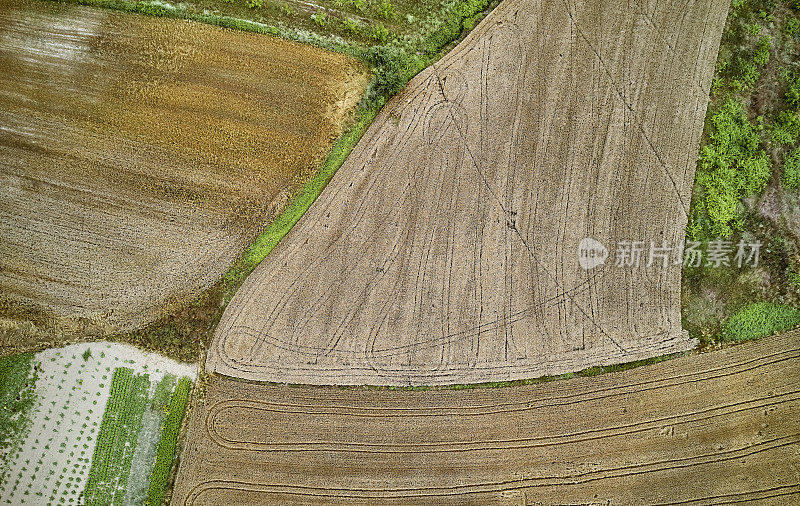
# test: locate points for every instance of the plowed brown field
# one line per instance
(715, 428)
(445, 249)
(138, 156)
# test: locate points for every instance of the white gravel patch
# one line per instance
(54, 459)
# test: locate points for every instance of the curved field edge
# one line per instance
(632, 436)
(183, 334)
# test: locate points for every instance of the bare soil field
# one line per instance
(714, 428)
(445, 248)
(139, 156)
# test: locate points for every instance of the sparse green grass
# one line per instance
(760, 319)
(170, 431)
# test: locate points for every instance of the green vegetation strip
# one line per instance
(16, 399)
(116, 442)
(281, 226)
(170, 431)
(760, 320)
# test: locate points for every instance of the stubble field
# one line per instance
(445, 248)
(714, 428)
(139, 156)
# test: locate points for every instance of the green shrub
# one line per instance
(378, 33)
(359, 5)
(287, 9)
(732, 166)
(255, 4)
(786, 128)
(761, 56)
(385, 10)
(758, 320)
(793, 27)
(793, 89)
(320, 18)
(791, 170)
(351, 25)
(393, 68)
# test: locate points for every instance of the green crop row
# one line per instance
(165, 454)
(116, 441)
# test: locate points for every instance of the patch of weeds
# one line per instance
(759, 320)
(791, 170)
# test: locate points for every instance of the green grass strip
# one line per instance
(116, 442)
(170, 430)
(281, 226)
(760, 320)
(16, 399)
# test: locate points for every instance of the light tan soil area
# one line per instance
(139, 156)
(445, 248)
(714, 428)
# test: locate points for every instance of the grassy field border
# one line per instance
(167, 445)
(297, 207)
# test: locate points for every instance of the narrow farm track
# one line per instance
(139, 156)
(715, 428)
(445, 248)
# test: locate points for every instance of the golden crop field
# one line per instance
(139, 156)
(714, 428)
(445, 250)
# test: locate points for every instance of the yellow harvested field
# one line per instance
(139, 156)
(714, 428)
(445, 250)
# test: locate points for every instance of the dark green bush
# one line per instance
(393, 68)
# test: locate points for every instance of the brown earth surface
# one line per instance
(715, 428)
(445, 248)
(139, 156)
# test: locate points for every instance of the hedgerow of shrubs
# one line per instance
(455, 15)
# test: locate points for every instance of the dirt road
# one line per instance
(714, 428)
(139, 156)
(445, 250)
